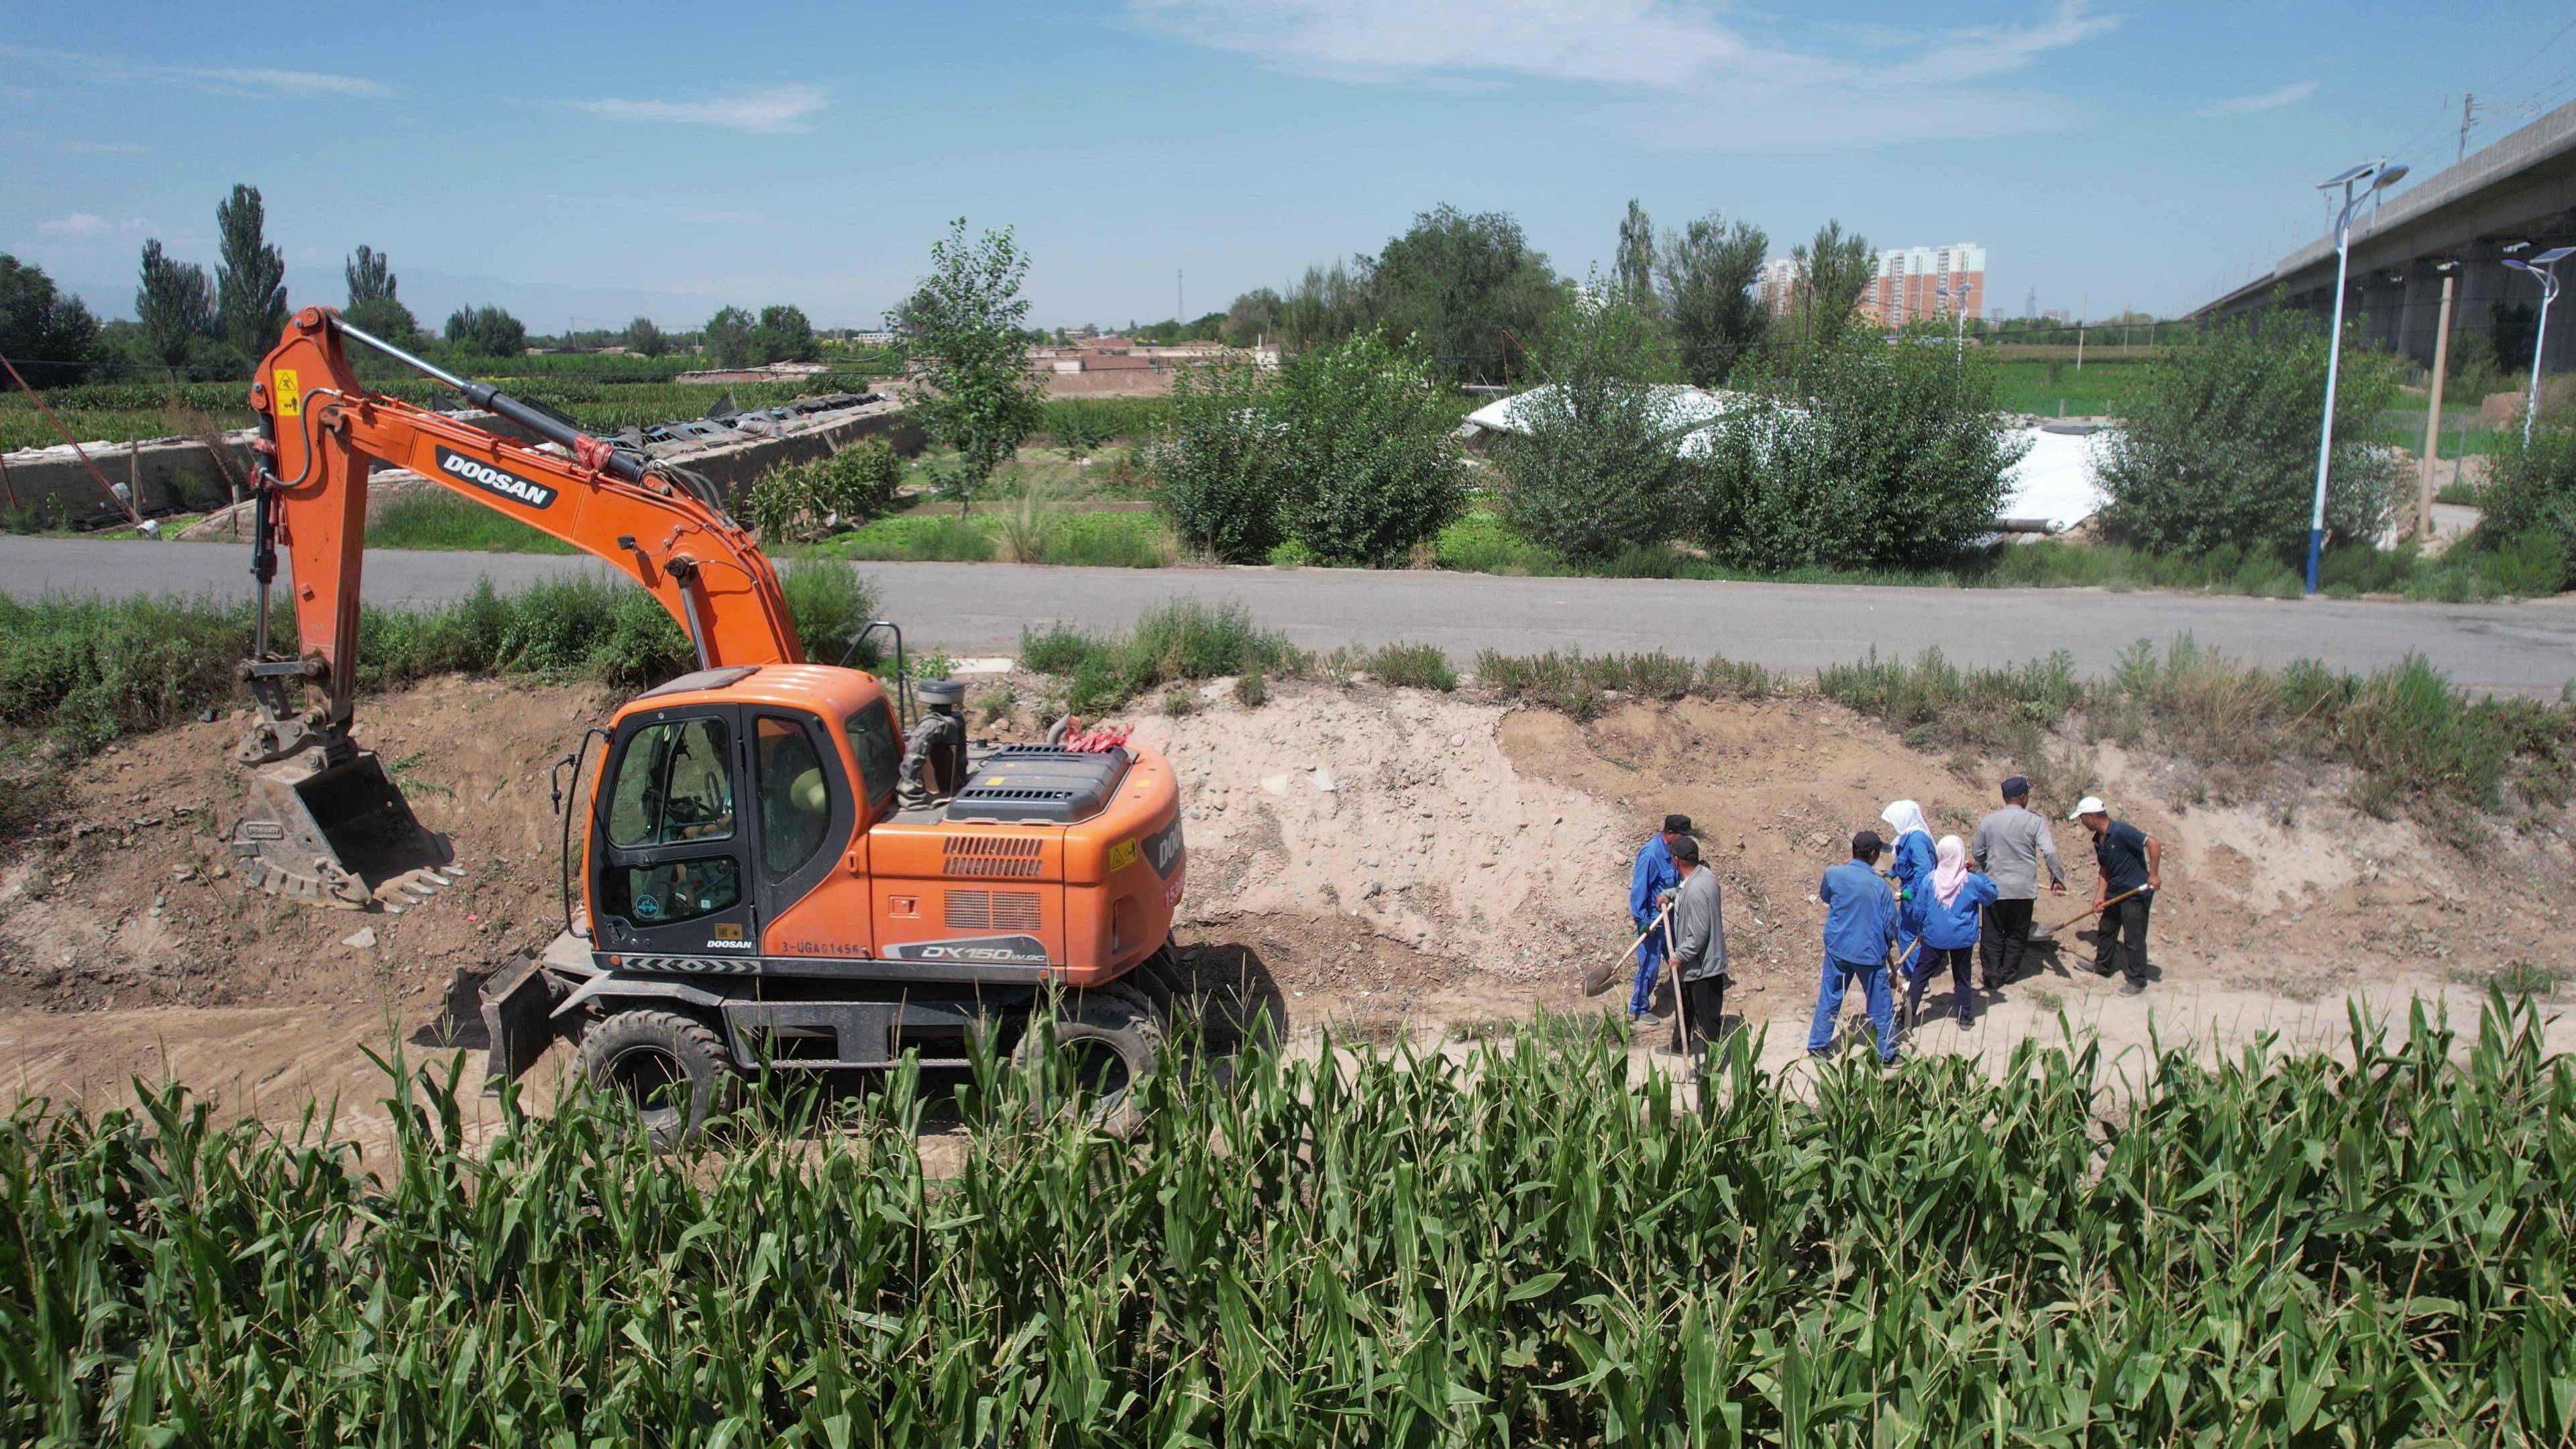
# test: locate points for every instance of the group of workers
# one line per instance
(1940, 905)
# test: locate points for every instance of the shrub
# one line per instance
(809, 500)
(1602, 467)
(1479, 542)
(1219, 474)
(1411, 666)
(2217, 442)
(1855, 454)
(1372, 466)
(2531, 488)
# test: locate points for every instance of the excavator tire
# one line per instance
(673, 1068)
(1108, 1041)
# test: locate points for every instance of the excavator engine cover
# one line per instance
(334, 834)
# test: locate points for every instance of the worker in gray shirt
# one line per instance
(2009, 845)
(1699, 951)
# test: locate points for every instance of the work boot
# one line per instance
(2133, 988)
(1964, 1023)
(1645, 1021)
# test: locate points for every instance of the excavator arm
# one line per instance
(324, 821)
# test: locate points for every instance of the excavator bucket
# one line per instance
(336, 835)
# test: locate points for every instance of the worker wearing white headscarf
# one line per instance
(1911, 869)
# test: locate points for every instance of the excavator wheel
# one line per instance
(673, 1068)
(1107, 1041)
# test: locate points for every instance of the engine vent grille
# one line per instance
(1014, 856)
(992, 911)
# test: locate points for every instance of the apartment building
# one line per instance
(1915, 283)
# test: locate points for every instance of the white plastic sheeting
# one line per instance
(2054, 482)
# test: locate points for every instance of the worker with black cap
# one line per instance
(1860, 926)
(2008, 846)
(1653, 875)
(1699, 952)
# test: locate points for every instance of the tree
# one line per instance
(250, 275)
(175, 305)
(1253, 318)
(1219, 472)
(1858, 454)
(1326, 305)
(1707, 273)
(384, 317)
(1834, 272)
(46, 332)
(487, 332)
(2216, 442)
(1602, 466)
(641, 336)
(978, 394)
(783, 335)
(371, 277)
(1464, 287)
(1367, 443)
(728, 338)
(1636, 261)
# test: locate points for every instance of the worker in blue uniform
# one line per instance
(1910, 866)
(1653, 875)
(1860, 926)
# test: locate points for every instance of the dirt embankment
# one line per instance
(1390, 861)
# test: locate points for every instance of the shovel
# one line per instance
(1599, 978)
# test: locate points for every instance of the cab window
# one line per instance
(681, 890)
(673, 786)
(795, 805)
(872, 740)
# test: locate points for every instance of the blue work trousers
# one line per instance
(1650, 960)
(1872, 976)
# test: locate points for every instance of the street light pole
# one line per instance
(2545, 268)
(2379, 174)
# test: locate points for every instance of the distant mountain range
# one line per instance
(546, 307)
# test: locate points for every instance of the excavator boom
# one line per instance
(324, 821)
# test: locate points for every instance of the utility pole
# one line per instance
(1180, 307)
(2468, 108)
(2433, 410)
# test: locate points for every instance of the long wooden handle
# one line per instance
(2097, 910)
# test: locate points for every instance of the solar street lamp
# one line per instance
(2358, 184)
(2544, 267)
(1943, 293)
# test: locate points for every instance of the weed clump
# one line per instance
(1177, 640)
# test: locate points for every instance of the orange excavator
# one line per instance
(776, 869)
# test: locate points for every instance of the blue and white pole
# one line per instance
(2379, 174)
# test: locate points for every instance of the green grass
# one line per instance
(2418, 745)
(1173, 641)
(1519, 1246)
(90, 669)
(443, 521)
(2023, 386)
(1071, 535)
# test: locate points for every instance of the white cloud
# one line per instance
(2289, 95)
(781, 110)
(79, 224)
(244, 82)
(1709, 80)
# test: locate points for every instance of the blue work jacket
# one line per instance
(1912, 870)
(1860, 914)
(1947, 928)
(1655, 874)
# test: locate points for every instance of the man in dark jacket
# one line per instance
(2132, 864)
(1699, 951)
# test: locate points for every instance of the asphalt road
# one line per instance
(979, 608)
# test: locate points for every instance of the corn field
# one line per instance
(1514, 1246)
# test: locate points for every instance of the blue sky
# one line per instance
(587, 161)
